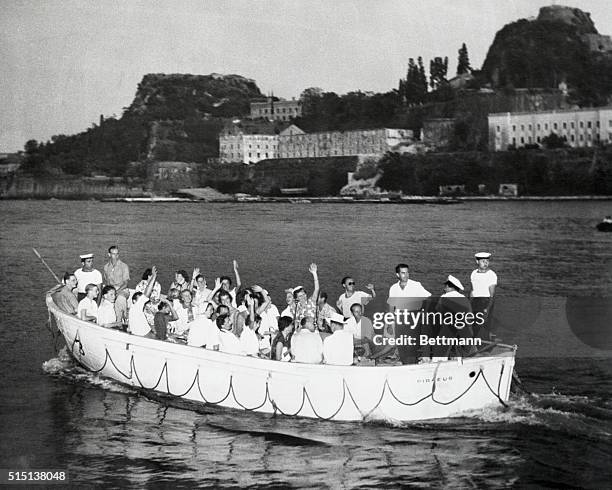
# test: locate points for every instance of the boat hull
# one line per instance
(343, 393)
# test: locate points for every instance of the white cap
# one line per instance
(482, 255)
(297, 288)
(455, 282)
(86, 256)
(336, 317)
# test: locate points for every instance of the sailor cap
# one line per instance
(452, 280)
(337, 318)
(482, 255)
(86, 256)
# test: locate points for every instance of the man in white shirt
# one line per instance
(228, 342)
(484, 282)
(137, 321)
(338, 347)
(306, 344)
(107, 317)
(87, 275)
(407, 295)
(204, 331)
(361, 329)
(350, 296)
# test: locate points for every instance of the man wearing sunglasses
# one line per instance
(350, 296)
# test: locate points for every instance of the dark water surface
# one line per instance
(55, 415)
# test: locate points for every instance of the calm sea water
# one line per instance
(556, 433)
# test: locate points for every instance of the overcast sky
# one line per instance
(66, 62)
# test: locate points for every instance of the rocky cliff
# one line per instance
(549, 50)
(178, 96)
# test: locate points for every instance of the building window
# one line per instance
(538, 139)
(572, 138)
(514, 127)
(582, 124)
(555, 126)
(539, 127)
(581, 137)
(522, 140)
(546, 127)
(522, 127)
(564, 125)
(589, 124)
(498, 129)
(572, 125)
(514, 141)
(597, 123)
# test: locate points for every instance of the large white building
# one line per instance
(250, 143)
(276, 110)
(580, 127)
(295, 143)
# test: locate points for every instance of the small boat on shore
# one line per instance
(327, 392)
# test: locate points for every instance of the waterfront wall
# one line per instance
(321, 176)
(23, 187)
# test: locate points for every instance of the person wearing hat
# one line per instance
(484, 281)
(338, 347)
(87, 275)
(452, 301)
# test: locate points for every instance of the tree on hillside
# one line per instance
(438, 69)
(414, 88)
(553, 141)
(310, 99)
(422, 76)
(463, 61)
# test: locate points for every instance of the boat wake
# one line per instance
(63, 366)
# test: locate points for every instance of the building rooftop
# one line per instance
(556, 111)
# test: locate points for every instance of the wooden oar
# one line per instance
(45, 264)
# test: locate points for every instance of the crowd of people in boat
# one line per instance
(229, 317)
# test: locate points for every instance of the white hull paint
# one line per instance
(343, 393)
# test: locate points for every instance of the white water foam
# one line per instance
(63, 366)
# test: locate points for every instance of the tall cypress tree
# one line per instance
(438, 68)
(463, 61)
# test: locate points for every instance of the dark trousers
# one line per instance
(485, 330)
(408, 354)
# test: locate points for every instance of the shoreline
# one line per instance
(443, 200)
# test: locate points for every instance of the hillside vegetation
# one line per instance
(178, 117)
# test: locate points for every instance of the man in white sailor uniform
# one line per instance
(87, 275)
(452, 302)
(484, 282)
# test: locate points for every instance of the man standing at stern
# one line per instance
(484, 282)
